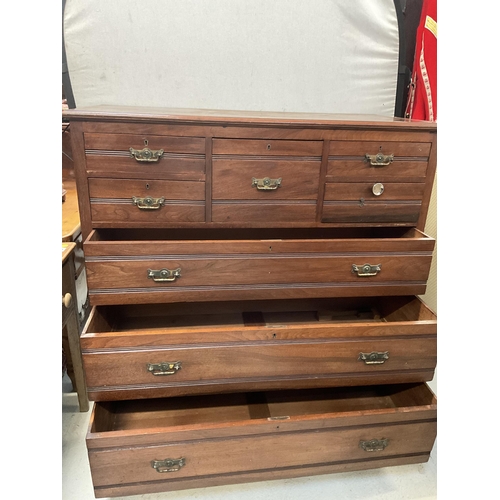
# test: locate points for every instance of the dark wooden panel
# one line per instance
(122, 142)
(345, 191)
(387, 147)
(358, 170)
(156, 188)
(266, 147)
(126, 211)
(371, 211)
(232, 179)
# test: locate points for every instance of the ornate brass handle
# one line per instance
(164, 368)
(374, 444)
(148, 203)
(266, 184)
(146, 154)
(379, 160)
(168, 465)
(366, 269)
(162, 275)
(374, 358)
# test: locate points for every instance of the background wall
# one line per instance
(285, 55)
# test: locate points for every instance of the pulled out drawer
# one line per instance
(127, 267)
(149, 351)
(138, 447)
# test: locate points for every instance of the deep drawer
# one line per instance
(139, 447)
(127, 267)
(177, 349)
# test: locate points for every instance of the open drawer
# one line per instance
(161, 266)
(163, 350)
(138, 447)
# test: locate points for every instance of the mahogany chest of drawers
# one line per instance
(253, 282)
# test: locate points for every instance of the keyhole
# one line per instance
(268, 147)
(147, 185)
(274, 335)
(146, 142)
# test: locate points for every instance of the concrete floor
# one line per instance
(406, 482)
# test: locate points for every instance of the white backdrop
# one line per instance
(325, 56)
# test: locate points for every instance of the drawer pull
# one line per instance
(366, 269)
(266, 184)
(168, 465)
(146, 154)
(374, 444)
(374, 358)
(148, 203)
(164, 368)
(378, 189)
(66, 300)
(162, 275)
(379, 160)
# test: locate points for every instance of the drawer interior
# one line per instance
(280, 405)
(170, 318)
(257, 234)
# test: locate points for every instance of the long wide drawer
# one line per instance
(127, 267)
(138, 447)
(150, 351)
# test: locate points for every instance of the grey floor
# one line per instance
(407, 482)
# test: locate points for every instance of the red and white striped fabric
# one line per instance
(422, 97)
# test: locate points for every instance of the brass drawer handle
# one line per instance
(379, 160)
(366, 270)
(168, 465)
(373, 358)
(148, 203)
(266, 184)
(162, 275)
(374, 444)
(164, 368)
(146, 154)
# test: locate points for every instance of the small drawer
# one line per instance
(161, 157)
(266, 147)
(129, 267)
(166, 350)
(138, 447)
(146, 201)
(378, 161)
(362, 202)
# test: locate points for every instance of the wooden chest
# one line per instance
(253, 279)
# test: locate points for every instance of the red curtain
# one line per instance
(422, 97)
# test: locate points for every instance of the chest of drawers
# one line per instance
(253, 282)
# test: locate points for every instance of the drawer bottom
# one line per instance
(137, 447)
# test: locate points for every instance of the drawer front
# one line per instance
(116, 155)
(253, 363)
(245, 180)
(266, 147)
(259, 453)
(291, 270)
(146, 201)
(137, 272)
(359, 161)
(359, 202)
